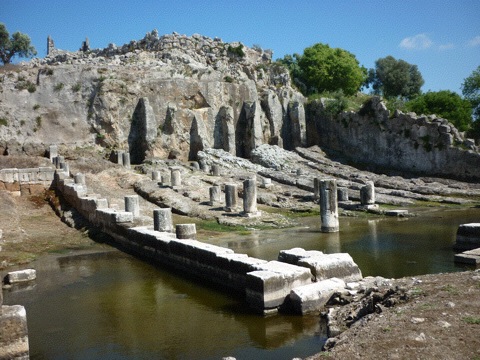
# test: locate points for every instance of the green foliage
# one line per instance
(446, 104)
(3, 121)
(395, 78)
(330, 69)
(236, 50)
(26, 84)
(291, 63)
(38, 121)
(17, 45)
(228, 79)
(36, 107)
(472, 320)
(471, 92)
(58, 86)
(76, 87)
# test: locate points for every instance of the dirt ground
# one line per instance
(439, 319)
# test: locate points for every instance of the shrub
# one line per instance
(236, 50)
(3, 122)
(58, 87)
(228, 79)
(76, 87)
(31, 87)
(36, 107)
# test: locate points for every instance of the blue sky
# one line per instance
(441, 37)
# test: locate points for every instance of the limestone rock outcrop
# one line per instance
(166, 96)
(405, 142)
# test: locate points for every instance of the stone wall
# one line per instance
(27, 181)
(409, 143)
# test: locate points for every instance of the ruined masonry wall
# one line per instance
(27, 181)
(263, 284)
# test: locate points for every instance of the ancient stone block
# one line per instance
(329, 206)
(267, 287)
(186, 231)
(313, 297)
(328, 266)
(468, 236)
(13, 333)
(21, 276)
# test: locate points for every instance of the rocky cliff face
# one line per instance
(168, 96)
(406, 142)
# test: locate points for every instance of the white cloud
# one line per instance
(444, 47)
(475, 41)
(417, 42)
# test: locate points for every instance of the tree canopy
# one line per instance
(446, 104)
(17, 45)
(322, 68)
(395, 78)
(471, 92)
(330, 69)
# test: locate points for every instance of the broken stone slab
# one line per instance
(398, 213)
(468, 236)
(13, 333)
(268, 287)
(313, 297)
(20, 276)
(292, 256)
(470, 257)
(326, 266)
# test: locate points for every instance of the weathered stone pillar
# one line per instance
(162, 220)
(204, 166)
(119, 154)
(13, 332)
(52, 152)
(266, 183)
(329, 205)
(215, 170)
(250, 197)
(316, 188)
(126, 160)
(231, 197)
(367, 194)
(215, 192)
(166, 178)
(186, 231)
(156, 175)
(132, 205)
(194, 165)
(79, 178)
(176, 177)
(342, 194)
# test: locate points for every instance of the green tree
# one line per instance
(330, 69)
(17, 45)
(395, 78)
(471, 92)
(446, 104)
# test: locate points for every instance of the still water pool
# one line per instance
(114, 306)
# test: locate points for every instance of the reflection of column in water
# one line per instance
(332, 242)
(372, 226)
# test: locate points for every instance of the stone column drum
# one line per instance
(79, 178)
(132, 205)
(186, 231)
(342, 194)
(367, 194)
(162, 220)
(215, 192)
(126, 160)
(231, 197)
(250, 196)
(316, 188)
(216, 170)
(156, 175)
(176, 177)
(329, 206)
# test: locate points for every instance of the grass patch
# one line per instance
(450, 289)
(212, 225)
(58, 86)
(473, 320)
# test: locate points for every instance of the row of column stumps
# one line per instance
(162, 217)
